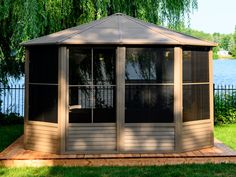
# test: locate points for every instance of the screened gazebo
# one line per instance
(118, 85)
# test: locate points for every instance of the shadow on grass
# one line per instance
(9, 133)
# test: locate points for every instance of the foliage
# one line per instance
(215, 52)
(225, 108)
(233, 50)
(184, 170)
(21, 20)
(12, 118)
(9, 133)
(226, 134)
(198, 34)
(204, 36)
(224, 41)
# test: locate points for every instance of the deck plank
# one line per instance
(16, 155)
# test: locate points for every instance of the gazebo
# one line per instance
(118, 85)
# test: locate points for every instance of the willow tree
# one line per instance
(21, 20)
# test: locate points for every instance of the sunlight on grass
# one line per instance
(226, 134)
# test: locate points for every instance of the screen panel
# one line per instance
(149, 65)
(80, 66)
(104, 67)
(43, 101)
(104, 104)
(147, 104)
(196, 105)
(195, 66)
(80, 100)
(43, 64)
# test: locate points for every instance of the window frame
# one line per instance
(92, 85)
(146, 83)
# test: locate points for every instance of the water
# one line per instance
(224, 71)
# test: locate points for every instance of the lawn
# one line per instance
(207, 170)
(226, 134)
(9, 133)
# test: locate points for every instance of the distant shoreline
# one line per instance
(225, 58)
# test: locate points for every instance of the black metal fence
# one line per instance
(224, 98)
(12, 98)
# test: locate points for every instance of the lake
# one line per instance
(224, 71)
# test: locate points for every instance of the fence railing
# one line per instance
(12, 98)
(224, 97)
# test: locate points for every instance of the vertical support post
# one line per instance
(178, 97)
(211, 95)
(62, 98)
(120, 96)
(26, 104)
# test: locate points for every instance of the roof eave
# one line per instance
(26, 44)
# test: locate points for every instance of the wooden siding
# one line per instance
(196, 135)
(42, 137)
(149, 138)
(91, 137)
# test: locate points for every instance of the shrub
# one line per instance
(12, 118)
(225, 108)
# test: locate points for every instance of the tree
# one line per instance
(225, 42)
(21, 20)
(233, 50)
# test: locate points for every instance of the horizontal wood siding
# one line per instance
(196, 135)
(146, 137)
(93, 137)
(42, 137)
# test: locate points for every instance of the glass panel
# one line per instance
(103, 66)
(104, 104)
(43, 103)
(145, 65)
(43, 65)
(148, 104)
(80, 68)
(195, 66)
(80, 101)
(196, 102)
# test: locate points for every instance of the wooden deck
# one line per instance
(16, 155)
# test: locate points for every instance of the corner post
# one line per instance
(26, 104)
(120, 96)
(62, 98)
(211, 95)
(178, 97)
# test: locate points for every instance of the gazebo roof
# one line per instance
(118, 29)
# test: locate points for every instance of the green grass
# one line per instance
(207, 170)
(8, 134)
(226, 134)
